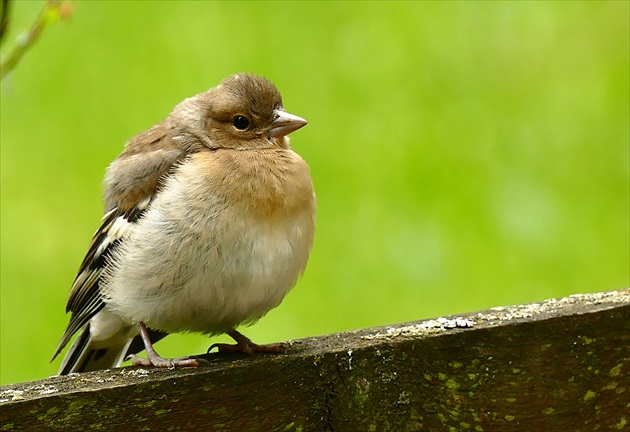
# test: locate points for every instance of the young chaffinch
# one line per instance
(209, 221)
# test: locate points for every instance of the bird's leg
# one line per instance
(154, 359)
(245, 345)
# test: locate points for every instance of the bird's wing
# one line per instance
(131, 183)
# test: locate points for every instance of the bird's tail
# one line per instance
(83, 357)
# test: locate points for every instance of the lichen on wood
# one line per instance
(556, 365)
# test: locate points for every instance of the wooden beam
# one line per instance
(558, 365)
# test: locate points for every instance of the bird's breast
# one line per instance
(222, 243)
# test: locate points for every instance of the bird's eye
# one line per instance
(240, 122)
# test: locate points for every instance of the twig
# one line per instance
(53, 11)
(4, 19)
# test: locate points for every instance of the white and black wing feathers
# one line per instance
(85, 298)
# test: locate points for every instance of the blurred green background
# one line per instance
(465, 154)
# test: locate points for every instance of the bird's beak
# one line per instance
(285, 123)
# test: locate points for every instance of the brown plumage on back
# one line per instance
(209, 222)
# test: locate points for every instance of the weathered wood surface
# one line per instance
(559, 365)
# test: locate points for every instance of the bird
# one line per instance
(209, 222)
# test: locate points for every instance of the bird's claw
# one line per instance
(249, 348)
(167, 363)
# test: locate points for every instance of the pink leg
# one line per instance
(245, 345)
(153, 359)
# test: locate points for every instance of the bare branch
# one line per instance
(53, 11)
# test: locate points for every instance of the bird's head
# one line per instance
(245, 112)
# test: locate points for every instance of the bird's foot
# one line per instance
(251, 348)
(155, 360)
(168, 363)
(245, 345)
